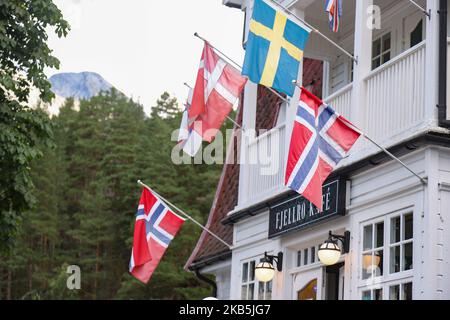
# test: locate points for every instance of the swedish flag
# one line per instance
(274, 48)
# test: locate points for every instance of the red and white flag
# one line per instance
(183, 135)
(156, 225)
(320, 139)
(218, 87)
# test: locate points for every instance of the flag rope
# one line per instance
(315, 30)
(423, 180)
(228, 117)
(238, 65)
(186, 215)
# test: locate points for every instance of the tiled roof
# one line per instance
(224, 201)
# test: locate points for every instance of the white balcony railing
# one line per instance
(341, 101)
(395, 104)
(266, 163)
(395, 95)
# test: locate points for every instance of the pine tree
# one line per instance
(87, 196)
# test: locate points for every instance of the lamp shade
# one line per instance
(264, 272)
(370, 261)
(329, 253)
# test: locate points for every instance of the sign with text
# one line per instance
(297, 212)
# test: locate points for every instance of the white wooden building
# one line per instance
(397, 94)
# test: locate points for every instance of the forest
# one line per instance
(85, 199)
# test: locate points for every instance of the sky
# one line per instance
(145, 47)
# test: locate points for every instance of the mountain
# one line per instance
(83, 85)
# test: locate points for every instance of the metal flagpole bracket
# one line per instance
(427, 13)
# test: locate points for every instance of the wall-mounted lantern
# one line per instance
(329, 253)
(265, 271)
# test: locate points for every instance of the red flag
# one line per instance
(321, 138)
(217, 89)
(155, 228)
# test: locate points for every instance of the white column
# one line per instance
(431, 62)
(363, 52)
(429, 278)
(248, 124)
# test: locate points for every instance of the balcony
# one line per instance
(394, 108)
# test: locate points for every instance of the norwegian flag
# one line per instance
(334, 9)
(217, 89)
(321, 138)
(154, 229)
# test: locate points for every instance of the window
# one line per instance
(248, 281)
(381, 50)
(416, 35)
(387, 257)
(249, 285)
(299, 258)
(401, 291)
(309, 292)
(313, 254)
(307, 256)
(372, 254)
(374, 294)
(401, 243)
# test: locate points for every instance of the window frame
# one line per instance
(256, 284)
(306, 256)
(380, 56)
(388, 279)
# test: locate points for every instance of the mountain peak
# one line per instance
(82, 85)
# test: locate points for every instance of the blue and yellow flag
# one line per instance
(274, 49)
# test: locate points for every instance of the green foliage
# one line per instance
(24, 55)
(87, 196)
(22, 133)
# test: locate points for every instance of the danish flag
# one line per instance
(321, 138)
(154, 229)
(218, 87)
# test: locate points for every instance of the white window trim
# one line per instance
(383, 52)
(254, 281)
(387, 280)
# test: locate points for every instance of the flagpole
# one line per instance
(238, 65)
(423, 180)
(316, 31)
(185, 214)
(421, 9)
(228, 117)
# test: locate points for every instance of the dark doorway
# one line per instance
(416, 36)
(332, 285)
